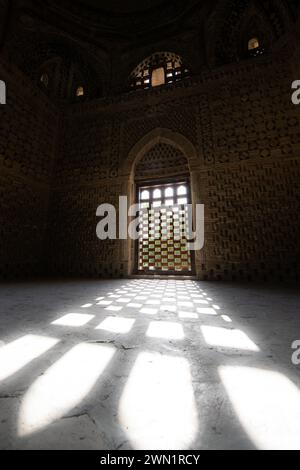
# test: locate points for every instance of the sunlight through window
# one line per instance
(226, 338)
(267, 404)
(253, 43)
(63, 387)
(188, 315)
(149, 311)
(206, 311)
(74, 319)
(167, 330)
(104, 303)
(157, 409)
(116, 325)
(80, 91)
(124, 300)
(16, 355)
(113, 308)
(158, 77)
(226, 318)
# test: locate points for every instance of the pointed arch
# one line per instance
(154, 137)
(136, 154)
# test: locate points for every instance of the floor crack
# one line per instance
(81, 415)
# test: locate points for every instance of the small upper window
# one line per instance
(182, 191)
(157, 193)
(169, 192)
(253, 43)
(80, 91)
(145, 195)
(158, 77)
(45, 79)
(255, 48)
(159, 69)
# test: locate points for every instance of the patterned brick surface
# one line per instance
(58, 163)
(27, 149)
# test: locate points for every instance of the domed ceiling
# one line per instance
(119, 17)
(124, 6)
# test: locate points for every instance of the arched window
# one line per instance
(182, 191)
(255, 47)
(169, 192)
(145, 195)
(157, 194)
(159, 69)
(45, 79)
(80, 91)
(253, 44)
(158, 77)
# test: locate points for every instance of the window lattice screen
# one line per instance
(163, 244)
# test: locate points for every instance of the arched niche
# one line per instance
(179, 150)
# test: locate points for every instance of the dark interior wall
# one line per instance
(252, 179)
(4, 15)
(86, 175)
(246, 133)
(60, 161)
(27, 148)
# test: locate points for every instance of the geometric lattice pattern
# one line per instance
(163, 160)
(164, 222)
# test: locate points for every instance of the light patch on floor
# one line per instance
(186, 314)
(157, 409)
(182, 367)
(206, 311)
(17, 354)
(63, 386)
(226, 338)
(268, 405)
(167, 330)
(73, 319)
(116, 325)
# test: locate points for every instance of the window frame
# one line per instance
(174, 71)
(150, 185)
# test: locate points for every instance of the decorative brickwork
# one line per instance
(27, 148)
(161, 161)
(231, 126)
(253, 209)
(245, 170)
(74, 247)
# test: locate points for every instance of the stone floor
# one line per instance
(148, 364)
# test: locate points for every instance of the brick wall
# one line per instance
(59, 165)
(246, 134)
(27, 147)
(4, 7)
